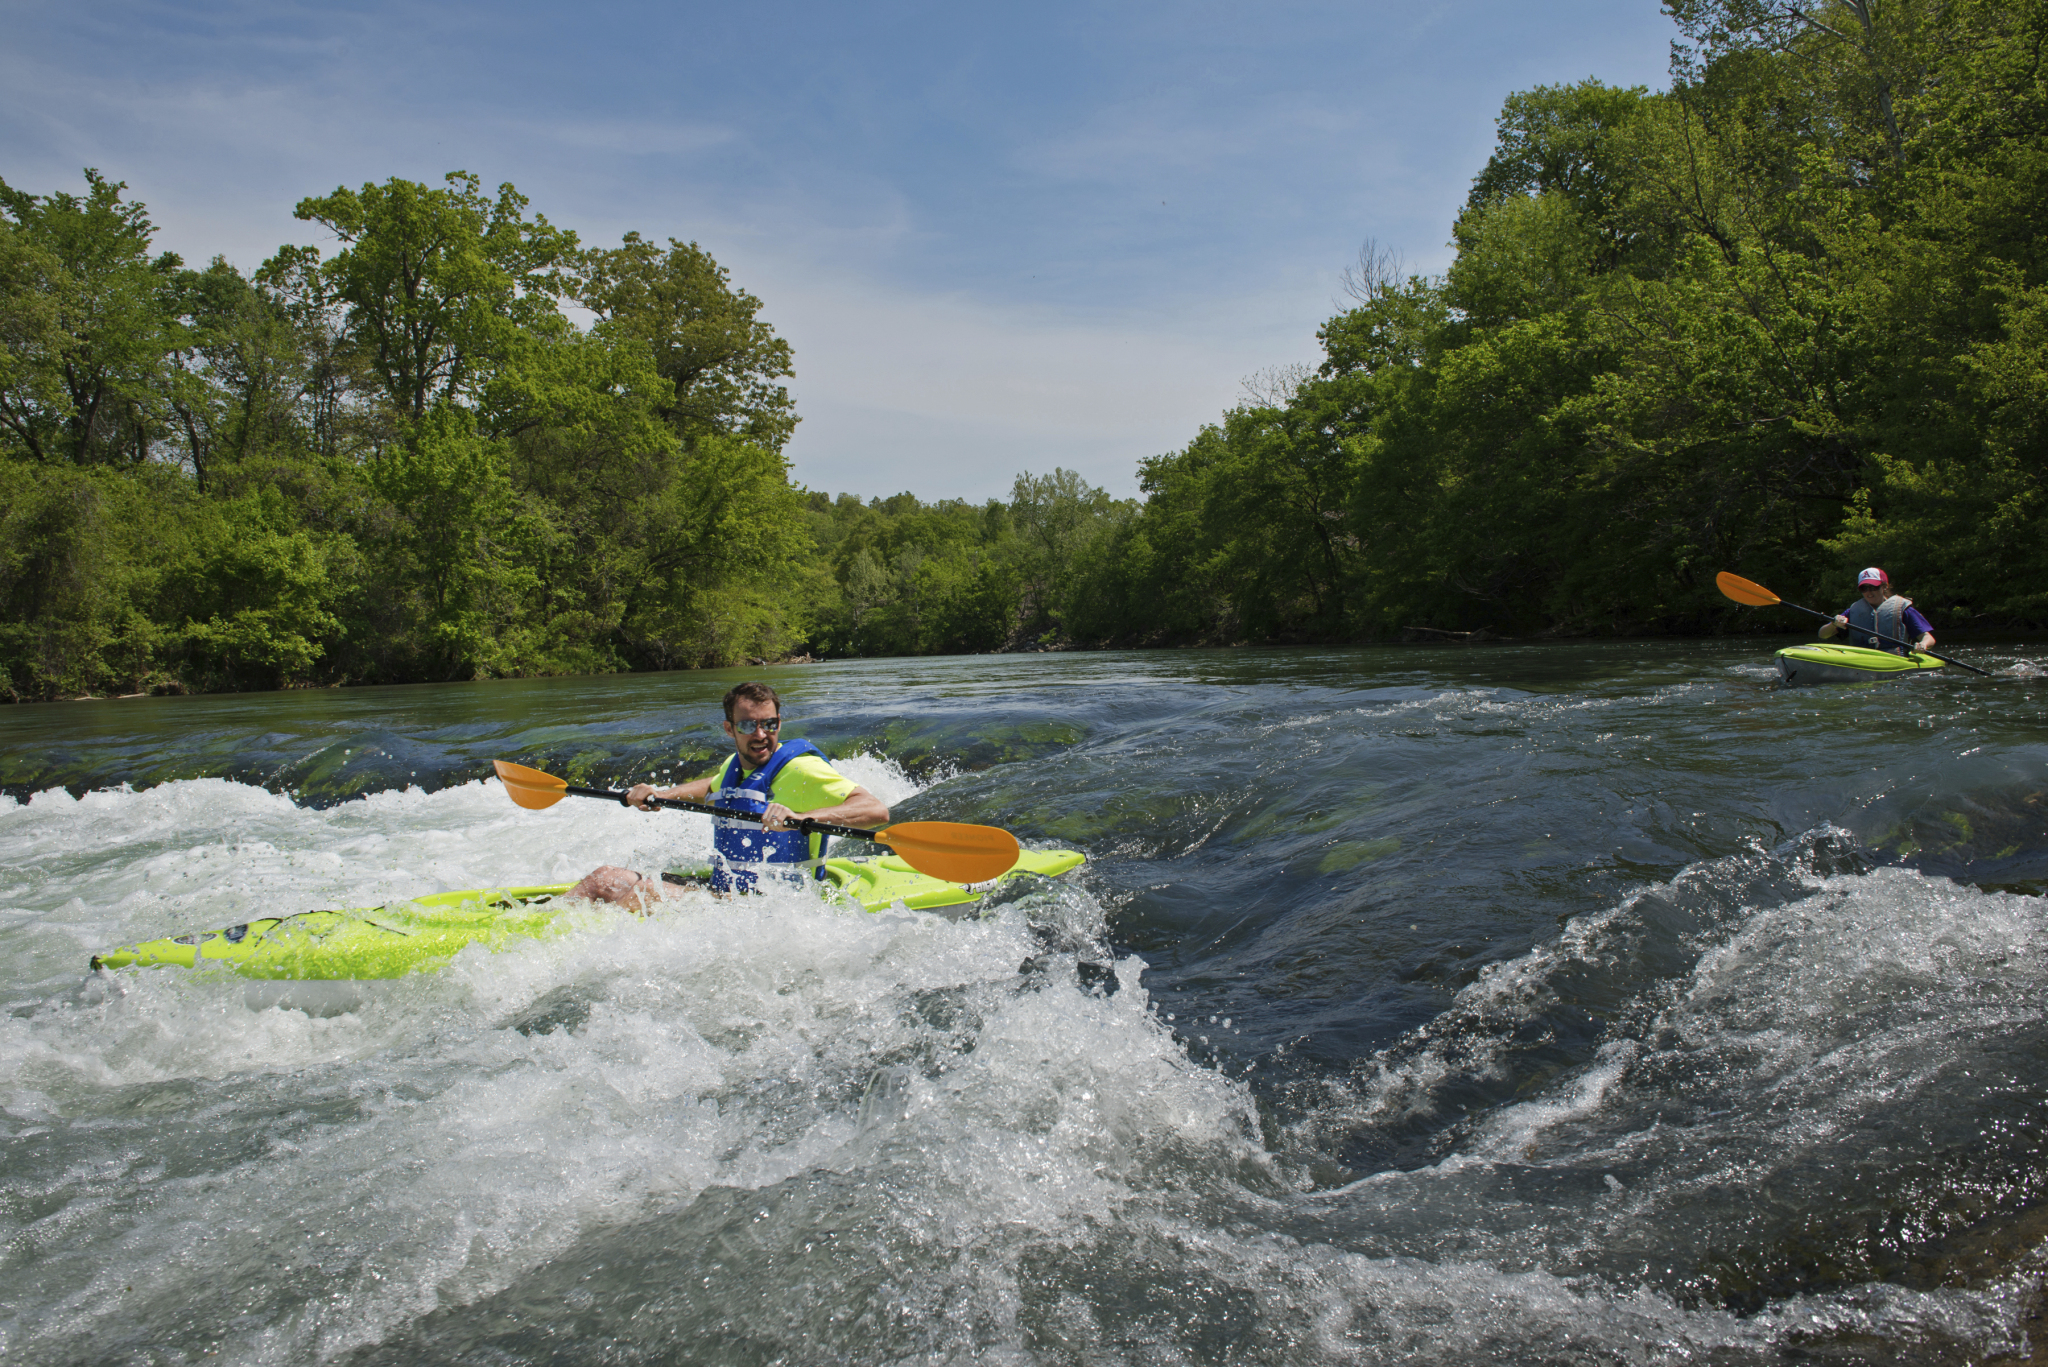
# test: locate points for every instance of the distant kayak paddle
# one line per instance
(948, 850)
(1753, 595)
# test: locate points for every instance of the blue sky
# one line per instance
(999, 238)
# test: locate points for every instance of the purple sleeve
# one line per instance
(1914, 621)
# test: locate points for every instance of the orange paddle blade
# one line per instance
(1744, 592)
(530, 788)
(952, 851)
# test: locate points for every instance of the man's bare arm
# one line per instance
(698, 790)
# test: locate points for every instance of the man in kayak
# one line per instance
(1882, 611)
(780, 779)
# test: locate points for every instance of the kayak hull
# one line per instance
(1799, 666)
(422, 935)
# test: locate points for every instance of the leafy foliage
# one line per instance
(401, 462)
(703, 335)
(1788, 316)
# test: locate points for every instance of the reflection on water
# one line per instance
(1571, 1003)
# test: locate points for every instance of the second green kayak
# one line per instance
(1825, 664)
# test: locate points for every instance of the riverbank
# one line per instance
(1952, 642)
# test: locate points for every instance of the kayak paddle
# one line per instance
(1757, 596)
(947, 850)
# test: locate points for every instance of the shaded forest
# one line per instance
(1787, 317)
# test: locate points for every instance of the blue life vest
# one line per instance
(738, 843)
(1888, 618)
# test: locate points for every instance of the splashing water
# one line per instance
(1451, 1005)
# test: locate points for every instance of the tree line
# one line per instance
(402, 461)
(405, 461)
(1788, 316)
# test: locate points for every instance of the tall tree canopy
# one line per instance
(1783, 317)
(441, 286)
(399, 460)
(90, 321)
(705, 336)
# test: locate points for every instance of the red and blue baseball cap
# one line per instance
(1873, 575)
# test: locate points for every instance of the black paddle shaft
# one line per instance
(804, 824)
(1829, 617)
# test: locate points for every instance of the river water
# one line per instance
(1574, 1003)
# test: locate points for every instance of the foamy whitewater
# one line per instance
(1398, 1016)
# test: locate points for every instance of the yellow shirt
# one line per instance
(805, 784)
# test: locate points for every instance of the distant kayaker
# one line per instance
(1879, 609)
(780, 779)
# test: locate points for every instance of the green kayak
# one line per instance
(424, 934)
(1825, 664)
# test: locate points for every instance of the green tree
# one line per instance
(341, 407)
(1868, 59)
(438, 284)
(239, 382)
(724, 552)
(83, 553)
(402, 462)
(257, 595)
(705, 337)
(1056, 517)
(1563, 143)
(454, 568)
(91, 318)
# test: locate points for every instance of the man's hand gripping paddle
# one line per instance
(947, 850)
(1757, 596)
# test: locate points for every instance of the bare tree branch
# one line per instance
(1377, 273)
(1276, 385)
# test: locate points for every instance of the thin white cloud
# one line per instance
(951, 396)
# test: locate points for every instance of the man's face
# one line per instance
(755, 749)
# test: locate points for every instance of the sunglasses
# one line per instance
(753, 724)
(1871, 588)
